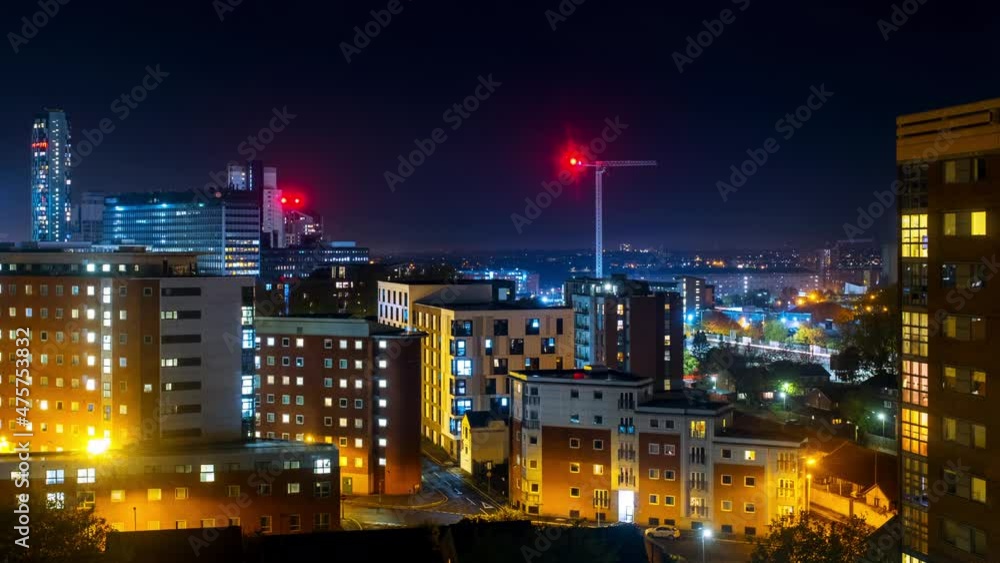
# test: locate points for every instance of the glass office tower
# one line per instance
(50, 177)
(223, 230)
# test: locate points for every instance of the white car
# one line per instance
(667, 532)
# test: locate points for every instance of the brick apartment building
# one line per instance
(348, 382)
(599, 444)
(264, 487)
(126, 347)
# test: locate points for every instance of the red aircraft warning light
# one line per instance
(573, 162)
(284, 200)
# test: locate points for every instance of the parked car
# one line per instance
(666, 532)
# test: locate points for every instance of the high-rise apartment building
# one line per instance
(262, 181)
(599, 444)
(349, 382)
(949, 230)
(127, 348)
(222, 228)
(628, 325)
(50, 177)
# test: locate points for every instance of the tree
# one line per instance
(875, 333)
(810, 334)
(811, 540)
(700, 345)
(58, 535)
(690, 362)
(718, 323)
(775, 331)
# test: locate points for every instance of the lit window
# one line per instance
(914, 235)
(207, 473)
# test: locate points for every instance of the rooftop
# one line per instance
(480, 419)
(592, 374)
(491, 306)
(683, 399)
(334, 324)
(745, 427)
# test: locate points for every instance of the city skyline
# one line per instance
(342, 129)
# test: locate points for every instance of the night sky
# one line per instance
(608, 59)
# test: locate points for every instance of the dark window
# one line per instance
(180, 338)
(188, 362)
(532, 327)
(559, 326)
(182, 386)
(532, 363)
(963, 276)
(727, 528)
(517, 346)
(532, 510)
(914, 284)
(491, 386)
(750, 531)
(461, 328)
(500, 327)
(183, 409)
(499, 366)
(181, 292)
(654, 521)
(549, 345)
(188, 314)
(574, 513)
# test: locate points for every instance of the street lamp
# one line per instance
(809, 463)
(881, 416)
(784, 401)
(705, 534)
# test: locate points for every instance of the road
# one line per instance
(445, 499)
(716, 550)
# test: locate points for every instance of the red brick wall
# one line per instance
(660, 486)
(557, 478)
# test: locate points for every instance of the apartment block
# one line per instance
(949, 230)
(469, 350)
(126, 347)
(348, 382)
(265, 488)
(599, 444)
(629, 325)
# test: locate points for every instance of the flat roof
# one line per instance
(492, 306)
(595, 375)
(682, 400)
(329, 325)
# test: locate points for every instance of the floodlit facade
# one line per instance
(348, 382)
(127, 348)
(949, 166)
(50, 177)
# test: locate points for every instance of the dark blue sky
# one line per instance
(609, 58)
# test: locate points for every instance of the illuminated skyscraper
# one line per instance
(50, 177)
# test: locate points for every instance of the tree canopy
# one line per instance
(811, 540)
(57, 535)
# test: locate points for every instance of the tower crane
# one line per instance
(600, 167)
